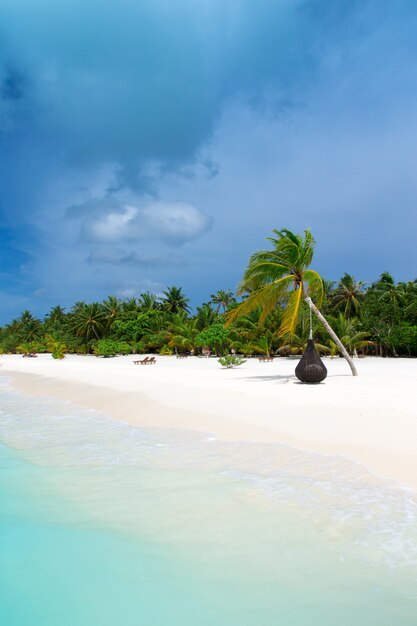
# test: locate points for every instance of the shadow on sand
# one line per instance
(277, 377)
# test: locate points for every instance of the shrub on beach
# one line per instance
(166, 351)
(27, 348)
(59, 351)
(229, 361)
(108, 347)
(56, 347)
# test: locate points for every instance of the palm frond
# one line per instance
(264, 298)
(290, 317)
(315, 286)
(307, 249)
(264, 267)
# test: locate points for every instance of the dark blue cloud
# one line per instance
(147, 80)
(257, 115)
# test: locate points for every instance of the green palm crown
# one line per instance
(280, 276)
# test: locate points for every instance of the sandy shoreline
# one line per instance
(371, 419)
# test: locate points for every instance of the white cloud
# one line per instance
(134, 290)
(113, 226)
(175, 222)
(172, 222)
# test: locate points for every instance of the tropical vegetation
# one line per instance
(279, 303)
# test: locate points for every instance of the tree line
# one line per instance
(268, 315)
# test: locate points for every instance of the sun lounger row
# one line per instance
(148, 360)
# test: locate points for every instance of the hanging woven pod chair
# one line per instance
(311, 368)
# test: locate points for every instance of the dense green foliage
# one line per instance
(380, 318)
(109, 347)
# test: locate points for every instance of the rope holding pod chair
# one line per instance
(311, 369)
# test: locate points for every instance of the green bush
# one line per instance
(109, 347)
(230, 360)
(132, 330)
(216, 337)
(404, 337)
(138, 347)
(166, 351)
(27, 348)
(56, 347)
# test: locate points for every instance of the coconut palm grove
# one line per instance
(268, 314)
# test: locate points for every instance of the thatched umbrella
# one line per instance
(311, 368)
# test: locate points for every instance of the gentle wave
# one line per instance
(362, 515)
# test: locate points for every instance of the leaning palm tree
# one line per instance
(282, 274)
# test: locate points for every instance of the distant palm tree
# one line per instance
(130, 305)
(223, 299)
(148, 302)
(111, 308)
(350, 333)
(89, 321)
(13, 327)
(264, 344)
(389, 292)
(348, 295)
(250, 336)
(182, 333)
(28, 327)
(206, 315)
(56, 315)
(410, 290)
(298, 343)
(77, 307)
(282, 274)
(174, 300)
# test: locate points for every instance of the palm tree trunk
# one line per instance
(330, 331)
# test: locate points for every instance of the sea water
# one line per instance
(104, 524)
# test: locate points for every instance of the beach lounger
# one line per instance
(151, 361)
(142, 361)
(264, 359)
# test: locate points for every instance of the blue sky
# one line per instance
(151, 143)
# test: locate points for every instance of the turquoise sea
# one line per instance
(103, 524)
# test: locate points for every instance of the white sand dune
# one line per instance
(371, 419)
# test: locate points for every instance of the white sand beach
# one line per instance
(371, 419)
